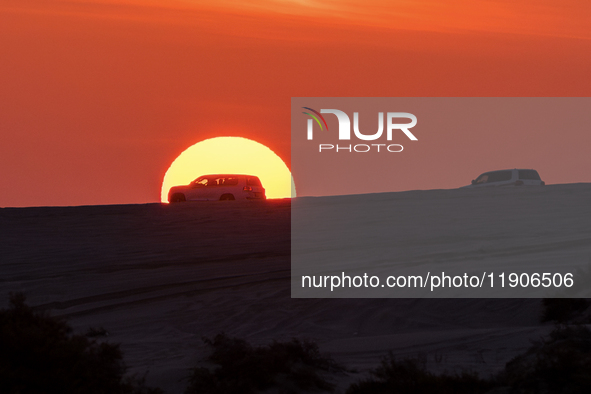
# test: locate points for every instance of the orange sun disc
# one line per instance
(230, 155)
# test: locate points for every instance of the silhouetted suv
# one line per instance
(515, 177)
(219, 187)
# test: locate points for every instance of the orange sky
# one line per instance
(98, 97)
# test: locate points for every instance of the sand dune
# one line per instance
(479, 232)
(159, 278)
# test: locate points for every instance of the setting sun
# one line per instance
(230, 155)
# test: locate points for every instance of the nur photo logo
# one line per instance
(391, 119)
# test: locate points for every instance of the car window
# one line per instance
(201, 182)
(253, 181)
(529, 174)
(210, 181)
(499, 176)
(482, 179)
(229, 181)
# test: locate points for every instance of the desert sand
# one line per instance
(160, 277)
(483, 233)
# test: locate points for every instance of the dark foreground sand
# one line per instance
(159, 278)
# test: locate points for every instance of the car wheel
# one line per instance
(227, 197)
(179, 197)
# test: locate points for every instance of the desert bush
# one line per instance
(560, 364)
(94, 332)
(287, 367)
(562, 309)
(409, 376)
(40, 354)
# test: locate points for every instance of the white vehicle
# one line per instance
(515, 177)
(219, 187)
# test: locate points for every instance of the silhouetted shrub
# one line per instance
(410, 377)
(560, 364)
(94, 332)
(40, 354)
(241, 368)
(563, 309)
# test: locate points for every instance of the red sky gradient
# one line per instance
(97, 98)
